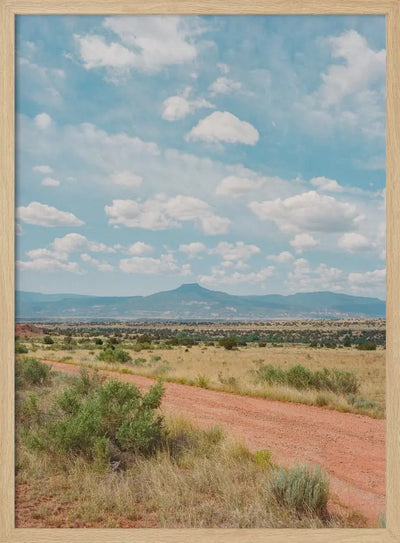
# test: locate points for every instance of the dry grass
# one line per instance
(201, 478)
(232, 370)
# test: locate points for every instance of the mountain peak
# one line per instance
(190, 287)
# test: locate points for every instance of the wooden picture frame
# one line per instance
(8, 10)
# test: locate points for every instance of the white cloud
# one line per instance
(281, 258)
(73, 242)
(354, 242)
(140, 248)
(222, 126)
(49, 265)
(219, 276)
(328, 185)
(224, 85)
(100, 265)
(18, 229)
(235, 186)
(164, 265)
(50, 182)
(362, 66)
(42, 169)
(162, 213)
(148, 43)
(175, 108)
(223, 68)
(303, 278)
(43, 121)
(307, 211)
(235, 251)
(126, 179)
(193, 250)
(44, 215)
(368, 282)
(352, 93)
(300, 242)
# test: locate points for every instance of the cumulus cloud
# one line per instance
(235, 251)
(222, 126)
(362, 66)
(162, 213)
(145, 43)
(126, 178)
(281, 258)
(100, 265)
(303, 241)
(50, 182)
(352, 91)
(308, 211)
(44, 215)
(354, 242)
(164, 265)
(235, 186)
(193, 250)
(43, 121)
(304, 278)
(224, 85)
(48, 265)
(140, 248)
(220, 276)
(73, 242)
(325, 184)
(368, 282)
(176, 108)
(42, 169)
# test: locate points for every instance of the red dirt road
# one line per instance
(350, 447)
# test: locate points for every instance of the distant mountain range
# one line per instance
(193, 302)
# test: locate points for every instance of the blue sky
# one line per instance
(245, 153)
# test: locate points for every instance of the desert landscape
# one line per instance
(258, 402)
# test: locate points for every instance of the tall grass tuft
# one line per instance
(304, 489)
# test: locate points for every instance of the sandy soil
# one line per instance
(350, 447)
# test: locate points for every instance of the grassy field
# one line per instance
(236, 370)
(80, 464)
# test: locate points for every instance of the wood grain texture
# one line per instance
(393, 270)
(8, 8)
(202, 6)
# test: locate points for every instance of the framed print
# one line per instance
(199, 277)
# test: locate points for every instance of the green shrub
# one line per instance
(299, 377)
(20, 349)
(270, 374)
(114, 355)
(304, 489)
(91, 419)
(32, 371)
(98, 341)
(48, 340)
(228, 343)
(367, 346)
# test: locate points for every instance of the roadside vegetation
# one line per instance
(346, 378)
(95, 452)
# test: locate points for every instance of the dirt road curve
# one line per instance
(350, 447)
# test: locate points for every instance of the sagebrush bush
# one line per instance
(90, 418)
(32, 371)
(304, 489)
(299, 377)
(114, 355)
(20, 349)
